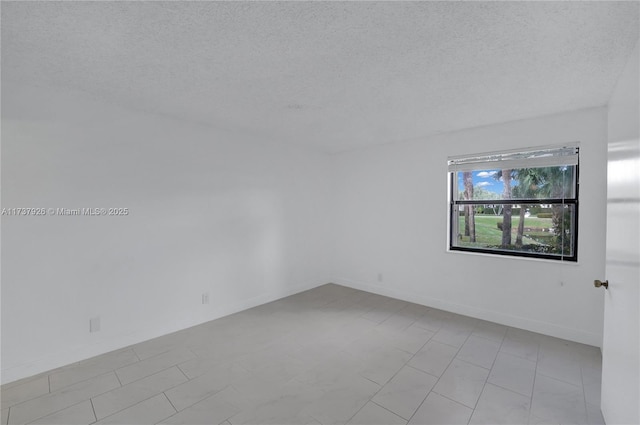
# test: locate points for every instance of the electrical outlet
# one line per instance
(94, 324)
(380, 277)
(205, 298)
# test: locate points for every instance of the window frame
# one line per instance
(454, 204)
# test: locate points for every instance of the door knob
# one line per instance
(598, 283)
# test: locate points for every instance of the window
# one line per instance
(521, 203)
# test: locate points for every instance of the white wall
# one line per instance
(242, 218)
(391, 218)
(251, 220)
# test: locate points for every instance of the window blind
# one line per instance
(548, 156)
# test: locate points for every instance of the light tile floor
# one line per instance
(331, 355)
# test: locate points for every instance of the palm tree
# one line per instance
(528, 185)
(560, 185)
(506, 211)
(549, 182)
(469, 213)
(517, 192)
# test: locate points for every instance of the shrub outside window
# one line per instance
(520, 203)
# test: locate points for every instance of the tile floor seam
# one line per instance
(449, 398)
(135, 354)
(171, 403)
(507, 389)
(579, 387)
(184, 374)
(95, 417)
(562, 380)
(389, 410)
(437, 393)
(54, 412)
(365, 318)
(172, 406)
(420, 370)
(168, 417)
(487, 380)
(128, 407)
(487, 339)
(472, 364)
(152, 374)
(124, 386)
(66, 368)
(405, 365)
(85, 380)
(427, 329)
(353, 416)
(402, 329)
(451, 345)
(447, 368)
(438, 378)
(370, 380)
(147, 358)
(115, 372)
(584, 394)
(457, 352)
(312, 417)
(519, 356)
(193, 404)
(533, 387)
(59, 390)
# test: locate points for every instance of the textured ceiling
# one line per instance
(330, 75)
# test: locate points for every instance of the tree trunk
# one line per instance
(467, 232)
(469, 213)
(472, 224)
(506, 212)
(520, 227)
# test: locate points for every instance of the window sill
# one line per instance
(513, 257)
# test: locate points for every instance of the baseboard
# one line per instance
(528, 324)
(79, 353)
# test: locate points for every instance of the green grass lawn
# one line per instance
(487, 232)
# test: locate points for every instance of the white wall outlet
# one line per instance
(380, 277)
(94, 324)
(205, 298)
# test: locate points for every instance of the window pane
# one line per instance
(535, 228)
(524, 183)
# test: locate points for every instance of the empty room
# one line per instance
(320, 212)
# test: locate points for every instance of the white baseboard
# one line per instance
(79, 353)
(528, 324)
